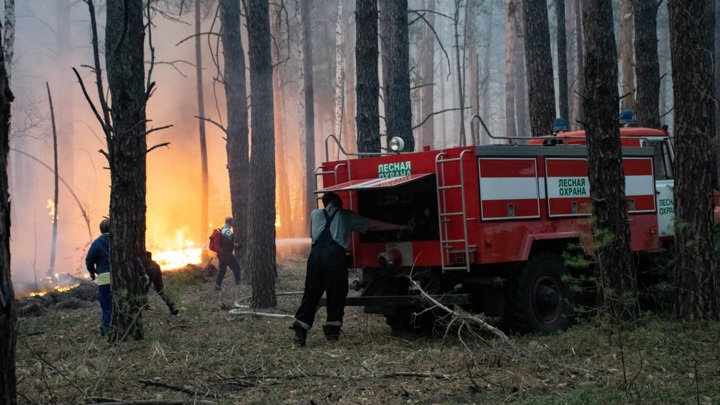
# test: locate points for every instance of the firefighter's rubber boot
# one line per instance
(300, 335)
(173, 309)
(332, 332)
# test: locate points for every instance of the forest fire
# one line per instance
(56, 289)
(173, 253)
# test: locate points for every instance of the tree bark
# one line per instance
(562, 58)
(261, 246)
(124, 58)
(427, 72)
(9, 38)
(647, 65)
(626, 55)
(513, 35)
(339, 76)
(8, 315)
(236, 148)
(471, 45)
(605, 169)
(398, 110)
(541, 90)
(308, 107)
(284, 223)
(349, 46)
(579, 110)
(696, 279)
(368, 82)
(204, 221)
(56, 175)
(462, 139)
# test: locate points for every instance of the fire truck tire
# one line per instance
(540, 301)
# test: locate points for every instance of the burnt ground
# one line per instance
(206, 355)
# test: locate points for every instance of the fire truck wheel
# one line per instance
(540, 301)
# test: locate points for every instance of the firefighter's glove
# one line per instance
(92, 276)
(145, 280)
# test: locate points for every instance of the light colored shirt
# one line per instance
(341, 227)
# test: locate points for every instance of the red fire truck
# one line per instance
(491, 223)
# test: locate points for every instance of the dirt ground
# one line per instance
(208, 356)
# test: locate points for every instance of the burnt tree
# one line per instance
(368, 82)
(696, 279)
(261, 213)
(8, 316)
(538, 61)
(647, 65)
(126, 154)
(238, 162)
(605, 169)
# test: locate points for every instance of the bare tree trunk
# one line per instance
(471, 45)
(562, 58)
(443, 121)
(605, 167)
(427, 72)
(462, 139)
(339, 75)
(53, 246)
(124, 58)
(398, 109)
(513, 33)
(368, 83)
(717, 69)
(664, 62)
(9, 37)
(485, 75)
(349, 126)
(8, 316)
(282, 193)
(626, 55)
(236, 149)
(307, 101)
(696, 278)
(647, 64)
(261, 249)
(204, 221)
(541, 90)
(579, 112)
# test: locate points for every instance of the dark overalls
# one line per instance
(326, 272)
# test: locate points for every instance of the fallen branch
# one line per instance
(168, 386)
(239, 311)
(157, 402)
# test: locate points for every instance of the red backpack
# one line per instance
(215, 244)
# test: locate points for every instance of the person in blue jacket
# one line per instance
(98, 265)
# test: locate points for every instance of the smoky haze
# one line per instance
(174, 172)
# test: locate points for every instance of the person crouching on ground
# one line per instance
(225, 256)
(330, 230)
(98, 265)
(154, 273)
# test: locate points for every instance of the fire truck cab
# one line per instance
(491, 223)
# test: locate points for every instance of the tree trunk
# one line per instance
(605, 170)
(124, 58)
(261, 246)
(398, 110)
(717, 68)
(626, 55)
(462, 139)
(471, 45)
(236, 148)
(350, 133)
(204, 221)
(696, 279)
(56, 174)
(64, 93)
(579, 111)
(339, 75)
(427, 72)
(368, 83)
(513, 34)
(485, 75)
(541, 90)
(308, 107)
(284, 224)
(664, 62)
(8, 316)
(647, 65)
(562, 58)
(9, 38)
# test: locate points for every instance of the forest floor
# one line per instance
(206, 355)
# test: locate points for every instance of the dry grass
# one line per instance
(206, 354)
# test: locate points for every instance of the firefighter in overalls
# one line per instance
(330, 229)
